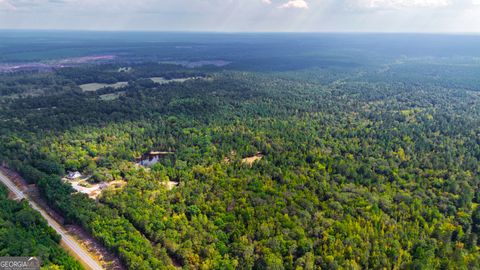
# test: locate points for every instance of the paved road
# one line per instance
(81, 254)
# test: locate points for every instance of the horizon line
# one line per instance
(232, 32)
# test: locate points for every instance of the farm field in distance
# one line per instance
(245, 151)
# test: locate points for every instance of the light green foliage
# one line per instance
(23, 232)
(359, 174)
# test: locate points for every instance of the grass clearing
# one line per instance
(162, 80)
(92, 87)
(112, 96)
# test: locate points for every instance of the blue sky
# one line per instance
(244, 15)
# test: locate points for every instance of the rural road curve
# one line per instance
(80, 253)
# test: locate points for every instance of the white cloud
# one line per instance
(245, 15)
(299, 4)
(399, 4)
(6, 5)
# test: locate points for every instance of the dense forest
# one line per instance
(23, 232)
(371, 166)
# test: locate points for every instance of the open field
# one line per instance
(89, 87)
(197, 64)
(112, 96)
(162, 80)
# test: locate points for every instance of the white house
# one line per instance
(74, 175)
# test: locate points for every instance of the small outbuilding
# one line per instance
(74, 175)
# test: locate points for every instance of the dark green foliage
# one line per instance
(23, 232)
(360, 170)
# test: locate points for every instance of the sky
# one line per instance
(244, 15)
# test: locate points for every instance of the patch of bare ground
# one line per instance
(117, 184)
(171, 184)
(15, 177)
(251, 160)
(93, 190)
(107, 259)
